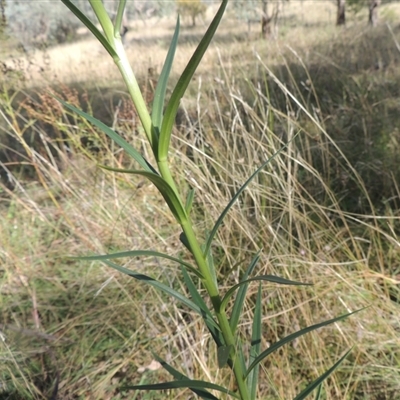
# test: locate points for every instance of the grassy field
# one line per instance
(325, 211)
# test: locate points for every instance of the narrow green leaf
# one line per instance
(239, 353)
(164, 288)
(119, 17)
(237, 194)
(139, 253)
(174, 204)
(189, 201)
(161, 88)
(319, 391)
(183, 82)
(112, 135)
(223, 355)
(269, 278)
(241, 295)
(207, 315)
(89, 24)
(293, 336)
(184, 241)
(179, 376)
(252, 379)
(211, 266)
(185, 383)
(313, 385)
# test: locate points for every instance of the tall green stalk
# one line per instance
(158, 126)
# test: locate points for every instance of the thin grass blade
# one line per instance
(239, 352)
(164, 288)
(241, 295)
(252, 379)
(319, 391)
(189, 201)
(211, 266)
(183, 82)
(185, 383)
(119, 16)
(89, 24)
(112, 135)
(207, 315)
(139, 253)
(184, 241)
(223, 355)
(161, 88)
(237, 194)
(268, 278)
(179, 376)
(313, 385)
(170, 197)
(293, 336)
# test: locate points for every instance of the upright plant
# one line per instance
(157, 127)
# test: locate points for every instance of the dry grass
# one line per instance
(147, 43)
(90, 329)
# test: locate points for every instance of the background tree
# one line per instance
(269, 22)
(265, 20)
(3, 19)
(373, 12)
(341, 12)
(34, 23)
(191, 8)
(248, 11)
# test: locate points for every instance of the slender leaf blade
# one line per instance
(179, 376)
(161, 88)
(163, 187)
(138, 253)
(317, 383)
(239, 352)
(241, 295)
(237, 194)
(112, 135)
(268, 278)
(89, 24)
(211, 267)
(184, 241)
(223, 353)
(119, 17)
(252, 379)
(189, 201)
(183, 82)
(185, 383)
(293, 336)
(319, 391)
(158, 285)
(207, 315)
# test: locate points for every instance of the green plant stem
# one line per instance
(104, 19)
(121, 60)
(124, 67)
(210, 286)
(237, 365)
(212, 289)
(213, 292)
(166, 174)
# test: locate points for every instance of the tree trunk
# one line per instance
(373, 12)
(341, 12)
(3, 21)
(265, 20)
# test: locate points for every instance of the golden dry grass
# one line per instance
(147, 44)
(92, 328)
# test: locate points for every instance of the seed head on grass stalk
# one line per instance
(158, 125)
